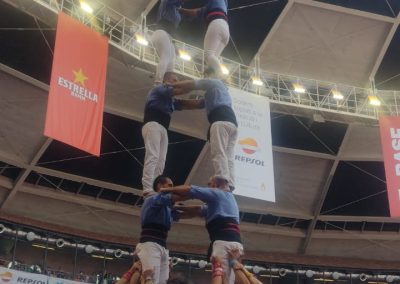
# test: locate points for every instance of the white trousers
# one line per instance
(155, 138)
(215, 40)
(221, 249)
(153, 256)
(162, 42)
(223, 136)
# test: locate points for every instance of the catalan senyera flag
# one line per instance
(390, 138)
(77, 87)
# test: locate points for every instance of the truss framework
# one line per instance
(278, 88)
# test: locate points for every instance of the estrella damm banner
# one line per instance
(77, 87)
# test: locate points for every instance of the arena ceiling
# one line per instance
(329, 177)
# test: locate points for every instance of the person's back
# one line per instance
(168, 16)
(218, 102)
(222, 220)
(213, 6)
(159, 105)
(220, 203)
(221, 213)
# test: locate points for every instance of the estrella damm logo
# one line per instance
(249, 145)
(6, 276)
(77, 87)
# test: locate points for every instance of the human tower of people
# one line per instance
(220, 209)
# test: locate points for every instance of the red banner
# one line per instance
(77, 87)
(390, 138)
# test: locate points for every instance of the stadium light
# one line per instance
(337, 95)
(86, 7)
(224, 69)
(389, 278)
(257, 269)
(374, 101)
(31, 236)
(257, 81)
(89, 249)
(184, 55)
(299, 88)
(309, 273)
(141, 40)
(336, 275)
(202, 263)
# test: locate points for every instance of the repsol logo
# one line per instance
(249, 160)
(29, 281)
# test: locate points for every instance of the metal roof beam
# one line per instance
(198, 162)
(275, 27)
(340, 218)
(149, 7)
(80, 200)
(345, 10)
(324, 192)
(24, 174)
(76, 178)
(384, 48)
(304, 153)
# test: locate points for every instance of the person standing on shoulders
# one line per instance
(223, 130)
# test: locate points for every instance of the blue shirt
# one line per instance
(216, 93)
(219, 203)
(213, 5)
(168, 10)
(160, 98)
(156, 209)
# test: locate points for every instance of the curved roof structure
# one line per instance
(331, 205)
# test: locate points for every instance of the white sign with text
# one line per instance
(254, 165)
(10, 276)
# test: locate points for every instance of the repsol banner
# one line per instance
(10, 276)
(253, 151)
(390, 138)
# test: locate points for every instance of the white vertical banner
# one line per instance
(10, 276)
(254, 167)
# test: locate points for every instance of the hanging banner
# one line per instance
(10, 276)
(254, 167)
(77, 87)
(390, 139)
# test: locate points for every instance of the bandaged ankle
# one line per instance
(127, 275)
(217, 269)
